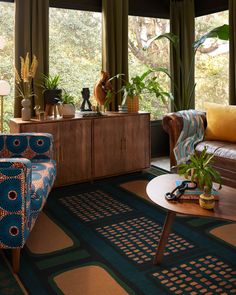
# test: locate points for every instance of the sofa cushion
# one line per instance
(43, 176)
(220, 122)
(224, 159)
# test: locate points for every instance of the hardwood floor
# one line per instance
(161, 162)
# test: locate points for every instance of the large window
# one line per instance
(75, 49)
(142, 29)
(212, 63)
(7, 56)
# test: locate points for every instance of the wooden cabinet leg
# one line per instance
(164, 237)
(16, 260)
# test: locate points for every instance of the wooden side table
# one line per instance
(225, 208)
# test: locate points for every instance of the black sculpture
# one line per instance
(86, 104)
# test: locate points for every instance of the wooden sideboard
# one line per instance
(94, 147)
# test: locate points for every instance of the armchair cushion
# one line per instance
(220, 122)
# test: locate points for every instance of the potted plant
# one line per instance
(67, 105)
(51, 88)
(140, 85)
(199, 169)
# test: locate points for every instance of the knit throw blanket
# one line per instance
(191, 134)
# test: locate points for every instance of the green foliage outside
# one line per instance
(76, 55)
(212, 63)
(75, 49)
(7, 56)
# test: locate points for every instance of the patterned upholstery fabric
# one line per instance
(27, 174)
(43, 176)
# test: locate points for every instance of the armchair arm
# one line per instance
(15, 186)
(173, 125)
(26, 145)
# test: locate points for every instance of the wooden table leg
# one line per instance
(164, 237)
(16, 259)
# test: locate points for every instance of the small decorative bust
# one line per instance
(86, 104)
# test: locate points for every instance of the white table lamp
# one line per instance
(4, 90)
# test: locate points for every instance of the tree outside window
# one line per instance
(7, 15)
(212, 63)
(142, 29)
(75, 49)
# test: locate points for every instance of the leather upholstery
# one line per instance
(224, 159)
(225, 152)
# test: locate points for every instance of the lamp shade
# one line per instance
(4, 87)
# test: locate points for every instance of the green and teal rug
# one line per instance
(100, 238)
(8, 283)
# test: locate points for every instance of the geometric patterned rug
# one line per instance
(8, 283)
(100, 238)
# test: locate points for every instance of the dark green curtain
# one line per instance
(182, 56)
(115, 42)
(32, 35)
(232, 52)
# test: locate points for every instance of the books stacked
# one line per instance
(194, 194)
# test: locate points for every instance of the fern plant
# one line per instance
(199, 168)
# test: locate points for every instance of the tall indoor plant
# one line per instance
(221, 32)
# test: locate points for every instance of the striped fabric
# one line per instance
(191, 134)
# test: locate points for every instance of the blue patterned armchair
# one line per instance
(27, 174)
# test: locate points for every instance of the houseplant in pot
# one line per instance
(199, 169)
(67, 105)
(139, 85)
(51, 89)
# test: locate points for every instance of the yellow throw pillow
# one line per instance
(221, 122)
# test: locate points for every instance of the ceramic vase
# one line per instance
(26, 109)
(68, 110)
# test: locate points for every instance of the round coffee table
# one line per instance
(156, 189)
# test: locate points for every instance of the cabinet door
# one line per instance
(108, 146)
(137, 142)
(74, 164)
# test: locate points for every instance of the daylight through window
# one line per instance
(142, 29)
(75, 49)
(7, 56)
(212, 63)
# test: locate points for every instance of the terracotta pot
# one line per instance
(68, 110)
(133, 104)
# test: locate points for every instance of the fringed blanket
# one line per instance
(191, 134)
